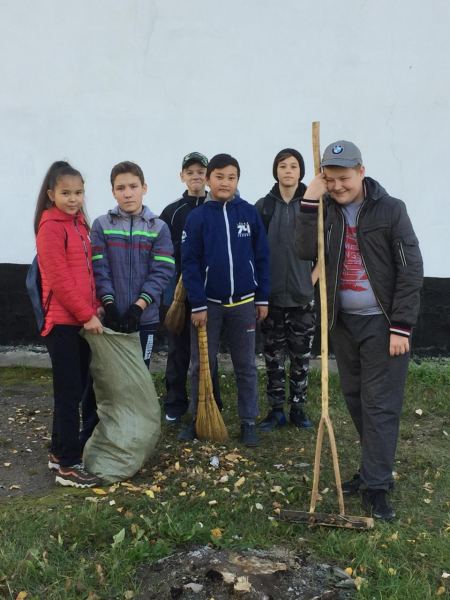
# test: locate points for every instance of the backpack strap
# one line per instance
(268, 210)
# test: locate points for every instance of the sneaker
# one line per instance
(172, 419)
(53, 463)
(300, 419)
(351, 487)
(188, 433)
(76, 476)
(248, 435)
(275, 418)
(375, 503)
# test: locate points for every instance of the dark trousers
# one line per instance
(373, 385)
(176, 402)
(288, 331)
(240, 323)
(69, 354)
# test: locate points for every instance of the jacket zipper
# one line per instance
(337, 270)
(130, 263)
(206, 277)
(253, 273)
(230, 256)
(86, 253)
(367, 270)
(402, 254)
(287, 253)
(329, 238)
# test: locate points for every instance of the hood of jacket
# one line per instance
(146, 214)
(299, 192)
(55, 214)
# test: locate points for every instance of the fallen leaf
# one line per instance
(419, 412)
(182, 494)
(212, 502)
(21, 595)
(440, 591)
(99, 491)
(15, 487)
(427, 500)
(7, 464)
(445, 575)
(360, 582)
(128, 595)
(349, 570)
(259, 506)
(99, 570)
(394, 536)
(239, 482)
(217, 533)
(392, 571)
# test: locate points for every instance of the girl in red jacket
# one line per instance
(69, 298)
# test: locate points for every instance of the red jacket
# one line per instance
(64, 256)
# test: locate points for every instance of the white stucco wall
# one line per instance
(100, 81)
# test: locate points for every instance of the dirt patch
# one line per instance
(25, 426)
(204, 573)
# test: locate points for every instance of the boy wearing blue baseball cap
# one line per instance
(374, 274)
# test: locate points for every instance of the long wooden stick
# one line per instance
(325, 417)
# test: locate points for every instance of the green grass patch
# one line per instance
(74, 544)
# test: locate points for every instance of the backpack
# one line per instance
(267, 211)
(34, 287)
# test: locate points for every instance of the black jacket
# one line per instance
(175, 215)
(290, 278)
(389, 250)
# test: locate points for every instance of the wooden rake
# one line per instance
(312, 517)
(209, 424)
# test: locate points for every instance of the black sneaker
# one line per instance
(300, 419)
(375, 503)
(172, 419)
(76, 476)
(351, 487)
(248, 435)
(188, 433)
(275, 418)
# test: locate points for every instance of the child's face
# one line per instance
(68, 194)
(288, 172)
(223, 183)
(194, 177)
(345, 185)
(129, 193)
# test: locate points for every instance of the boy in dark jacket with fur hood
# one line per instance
(291, 321)
(225, 266)
(374, 275)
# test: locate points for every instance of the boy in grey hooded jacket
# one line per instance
(290, 324)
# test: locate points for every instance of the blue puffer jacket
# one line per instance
(225, 254)
(132, 259)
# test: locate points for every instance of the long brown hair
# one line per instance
(56, 172)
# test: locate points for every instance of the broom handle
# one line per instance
(325, 418)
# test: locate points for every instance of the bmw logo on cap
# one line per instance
(338, 150)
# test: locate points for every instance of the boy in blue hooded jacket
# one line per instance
(225, 267)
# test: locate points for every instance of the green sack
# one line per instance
(127, 406)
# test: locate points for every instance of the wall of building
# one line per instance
(97, 82)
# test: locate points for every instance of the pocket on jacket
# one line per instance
(409, 250)
(374, 226)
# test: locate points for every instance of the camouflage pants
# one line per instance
(288, 331)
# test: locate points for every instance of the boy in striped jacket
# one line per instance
(132, 258)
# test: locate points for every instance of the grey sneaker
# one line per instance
(248, 435)
(188, 433)
(76, 476)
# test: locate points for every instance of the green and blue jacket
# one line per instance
(132, 259)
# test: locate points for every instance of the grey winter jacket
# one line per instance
(290, 277)
(132, 259)
(389, 250)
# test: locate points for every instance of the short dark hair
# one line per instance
(127, 167)
(220, 161)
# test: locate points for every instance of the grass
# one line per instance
(79, 544)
